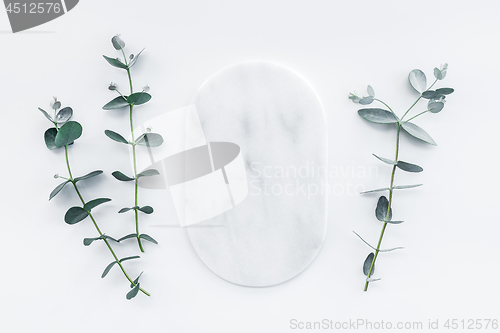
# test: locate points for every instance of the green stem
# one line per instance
(418, 99)
(376, 99)
(136, 181)
(388, 209)
(96, 226)
(421, 113)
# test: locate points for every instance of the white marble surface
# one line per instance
(278, 121)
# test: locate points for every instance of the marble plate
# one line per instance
(277, 120)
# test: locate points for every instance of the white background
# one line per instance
(449, 268)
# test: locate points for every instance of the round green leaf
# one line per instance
(115, 62)
(148, 173)
(46, 115)
(64, 115)
(146, 209)
(409, 167)
(150, 140)
(68, 133)
(134, 59)
(120, 176)
(115, 136)
(127, 237)
(148, 238)
(131, 294)
(75, 215)
(445, 91)
(385, 160)
(94, 203)
(381, 210)
(138, 98)
(116, 103)
(126, 209)
(87, 176)
(368, 263)
(50, 136)
(57, 189)
(117, 42)
(435, 107)
(418, 133)
(370, 91)
(366, 100)
(378, 116)
(107, 269)
(418, 80)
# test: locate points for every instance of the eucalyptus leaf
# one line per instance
(64, 115)
(372, 279)
(445, 91)
(385, 250)
(68, 133)
(150, 140)
(418, 133)
(87, 176)
(435, 107)
(354, 98)
(75, 215)
(418, 80)
(115, 136)
(127, 237)
(393, 222)
(50, 136)
(368, 264)
(132, 293)
(136, 281)
(120, 176)
(56, 105)
(386, 160)
(115, 62)
(88, 241)
(381, 210)
(134, 59)
(57, 189)
(366, 100)
(146, 209)
(129, 258)
(107, 269)
(440, 73)
(401, 187)
(409, 167)
(430, 94)
(116, 103)
(379, 116)
(148, 173)
(148, 238)
(138, 98)
(377, 190)
(370, 91)
(124, 210)
(46, 115)
(117, 42)
(94, 203)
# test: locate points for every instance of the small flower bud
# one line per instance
(146, 88)
(148, 129)
(112, 86)
(56, 176)
(131, 56)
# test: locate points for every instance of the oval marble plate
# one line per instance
(277, 120)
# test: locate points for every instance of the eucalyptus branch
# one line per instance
(146, 139)
(383, 211)
(58, 137)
